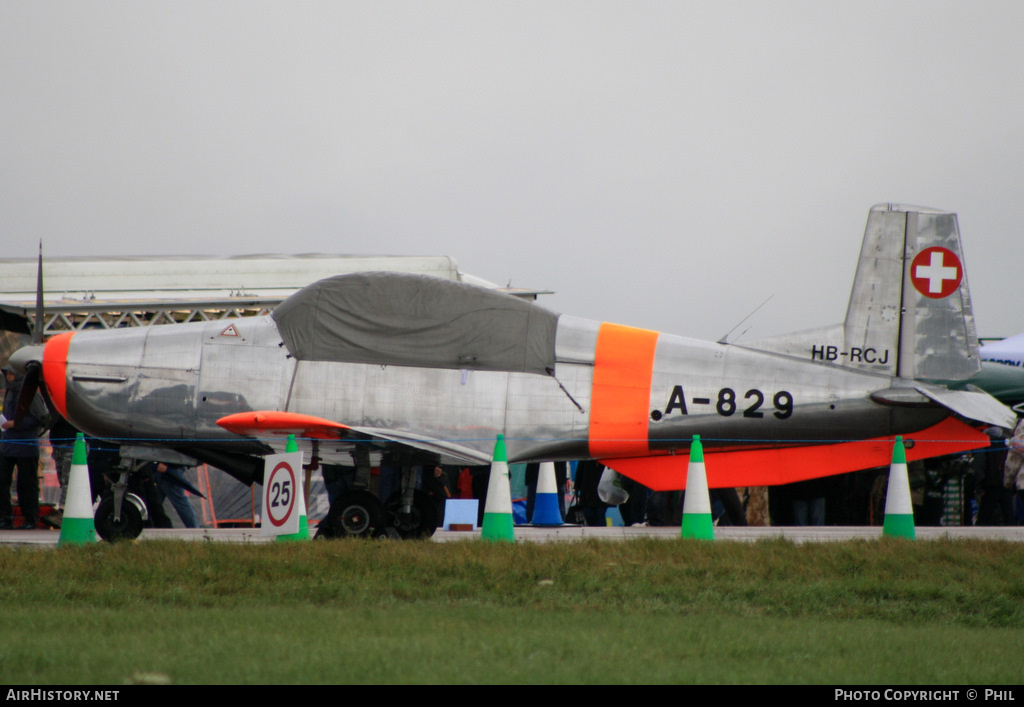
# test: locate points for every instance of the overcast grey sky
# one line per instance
(662, 164)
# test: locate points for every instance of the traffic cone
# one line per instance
(78, 526)
(545, 505)
(303, 533)
(497, 525)
(697, 521)
(899, 511)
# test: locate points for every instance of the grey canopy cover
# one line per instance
(416, 320)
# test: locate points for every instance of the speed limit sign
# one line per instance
(281, 491)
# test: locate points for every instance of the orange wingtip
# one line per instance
(784, 465)
(276, 423)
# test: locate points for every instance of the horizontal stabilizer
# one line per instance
(972, 404)
(785, 465)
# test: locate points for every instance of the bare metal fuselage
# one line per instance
(171, 384)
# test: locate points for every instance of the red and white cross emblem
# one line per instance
(936, 272)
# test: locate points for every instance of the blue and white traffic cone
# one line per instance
(497, 525)
(899, 510)
(78, 526)
(546, 509)
(697, 522)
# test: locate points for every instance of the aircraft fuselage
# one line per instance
(616, 392)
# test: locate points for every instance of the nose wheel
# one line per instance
(114, 527)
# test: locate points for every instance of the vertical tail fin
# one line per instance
(910, 311)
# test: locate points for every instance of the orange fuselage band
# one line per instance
(623, 369)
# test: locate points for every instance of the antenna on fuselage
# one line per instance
(725, 339)
(37, 330)
(33, 368)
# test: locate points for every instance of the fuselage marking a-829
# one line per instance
(726, 403)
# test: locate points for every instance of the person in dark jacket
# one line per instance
(19, 449)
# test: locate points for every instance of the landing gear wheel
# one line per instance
(354, 514)
(420, 522)
(128, 527)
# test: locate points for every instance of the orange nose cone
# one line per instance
(55, 370)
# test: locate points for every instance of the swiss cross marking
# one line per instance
(936, 272)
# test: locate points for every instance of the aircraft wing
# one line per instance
(271, 424)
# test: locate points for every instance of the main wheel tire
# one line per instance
(355, 514)
(420, 522)
(128, 527)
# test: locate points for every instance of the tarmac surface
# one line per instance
(569, 533)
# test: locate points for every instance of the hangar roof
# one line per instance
(144, 290)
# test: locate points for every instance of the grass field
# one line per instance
(471, 612)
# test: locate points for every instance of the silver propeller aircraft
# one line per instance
(423, 371)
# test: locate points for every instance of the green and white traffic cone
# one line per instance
(899, 510)
(78, 526)
(497, 525)
(303, 533)
(697, 521)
